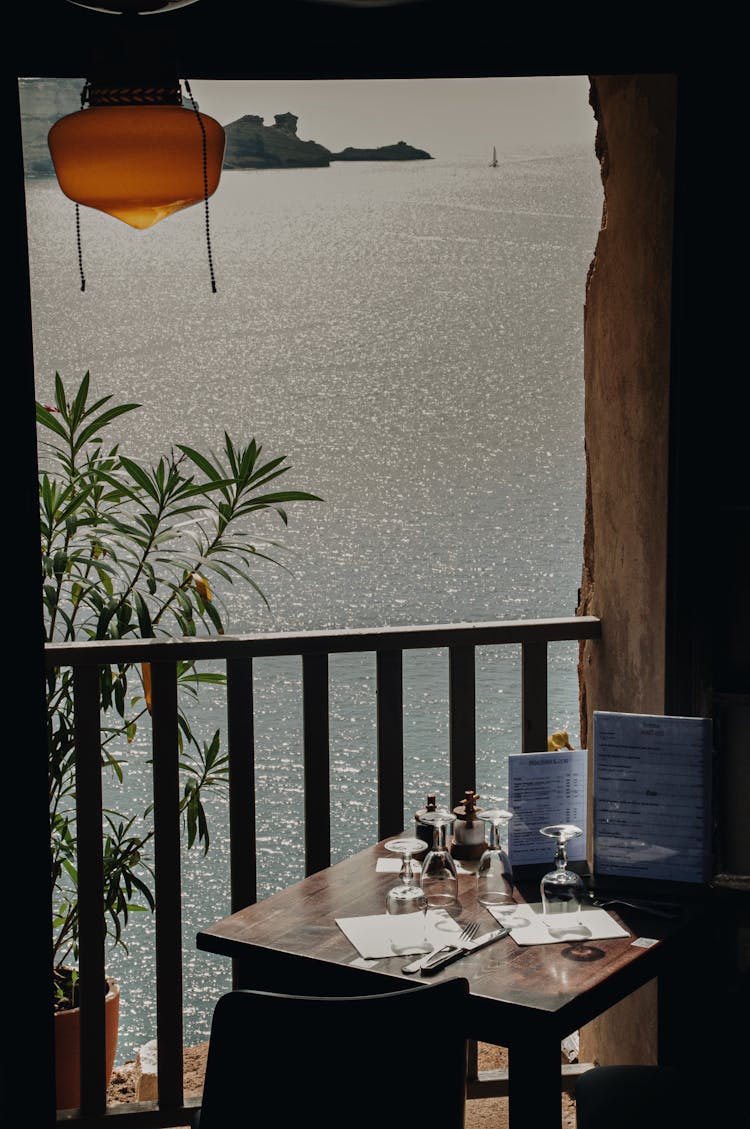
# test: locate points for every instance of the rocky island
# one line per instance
(398, 152)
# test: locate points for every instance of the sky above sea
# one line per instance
(453, 117)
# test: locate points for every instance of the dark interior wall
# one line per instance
(666, 539)
(26, 943)
(708, 611)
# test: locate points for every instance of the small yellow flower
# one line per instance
(202, 587)
(558, 740)
(146, 675)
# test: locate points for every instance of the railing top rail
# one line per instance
(264, 645)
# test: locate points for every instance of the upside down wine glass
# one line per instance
(495, 885)
(439, 880)
(562, 890)
(407, 897)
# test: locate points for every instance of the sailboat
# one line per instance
(493, 162)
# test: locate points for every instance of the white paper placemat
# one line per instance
(393, 866)
(373, 936)
(529, 926)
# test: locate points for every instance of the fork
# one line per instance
(468, 933)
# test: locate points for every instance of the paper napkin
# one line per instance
(530, 927)
(373, 936)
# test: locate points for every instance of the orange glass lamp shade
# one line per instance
(139, 163)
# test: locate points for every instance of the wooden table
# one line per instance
(527, 999)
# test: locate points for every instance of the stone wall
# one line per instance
(626, 371)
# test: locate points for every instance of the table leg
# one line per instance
(472, 1061)
(534, 1087)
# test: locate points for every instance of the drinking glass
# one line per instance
(563, 891)
(439, 879)
(495, 885)
(407, 897)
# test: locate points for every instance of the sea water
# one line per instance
(410, 336)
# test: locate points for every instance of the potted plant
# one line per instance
(129, 550)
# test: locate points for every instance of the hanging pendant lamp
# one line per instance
(137, 153)
(133, 150)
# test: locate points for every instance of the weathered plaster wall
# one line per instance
(626, 371)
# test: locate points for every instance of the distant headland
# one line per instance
(251, 144)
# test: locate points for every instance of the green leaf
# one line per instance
(102, 421)
(202, 462)
(140, 476)
(213, 615)
(144, 616)
(48, 420)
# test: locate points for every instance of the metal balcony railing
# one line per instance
(237, 653)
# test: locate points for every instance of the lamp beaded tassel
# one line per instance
(138, 154)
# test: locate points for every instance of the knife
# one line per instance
(415, 965)
(447, 955)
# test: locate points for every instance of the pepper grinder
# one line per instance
(427, 817)
(469, 829)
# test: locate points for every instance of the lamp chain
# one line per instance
(205, 186)
(84, 99)
(78, 245)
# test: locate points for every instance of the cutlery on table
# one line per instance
(450, 953)
(467, 934)
(434, 964)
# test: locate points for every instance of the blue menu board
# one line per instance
(545, 788)
(652, 797)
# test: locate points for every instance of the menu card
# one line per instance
(652, 797)
(545, 788)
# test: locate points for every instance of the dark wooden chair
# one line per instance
(639, 1097)
(706, 1088)
(340, 1061)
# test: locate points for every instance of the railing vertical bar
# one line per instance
(241, 752)
(317, 762)
(90, 887)
(390, 736)
(462, 721)
(534, 696)
(168, 931)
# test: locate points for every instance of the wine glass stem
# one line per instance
(561, 857)
(406, 873)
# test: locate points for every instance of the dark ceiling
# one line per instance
(350, 38)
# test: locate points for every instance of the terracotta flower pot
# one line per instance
(68, 1048)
